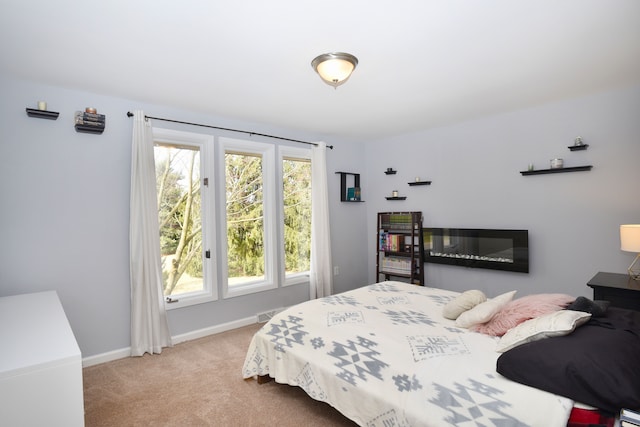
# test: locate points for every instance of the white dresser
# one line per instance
(40, 363)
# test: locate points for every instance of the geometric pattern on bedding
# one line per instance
(307, 381)
(357, 360)
(286, 333)
(427, 346)
(476, 404)
(389, 418)
(409, 317)
(336, 318)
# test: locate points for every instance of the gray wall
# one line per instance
(65, 201)
(572, 218)
(65, 214)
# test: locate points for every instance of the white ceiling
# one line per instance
(423, 63)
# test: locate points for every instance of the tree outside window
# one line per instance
(245, 218)
(296, 183)
(179, 215)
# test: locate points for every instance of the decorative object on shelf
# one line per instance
(394, 193)
(530, 167)
(334, 68)
(42, 105)
(390, 171)
(351, 193)
(578, 144)
(42, 114)
(89, 122)
(556, 163)
(630, 242)
(558, 170)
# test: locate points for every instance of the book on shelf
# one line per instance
(89, 117)
(351, 193)
(396, 265)
(382, 240)
(397, 221)
(389, 242)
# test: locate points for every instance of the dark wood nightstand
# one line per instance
(619, 289)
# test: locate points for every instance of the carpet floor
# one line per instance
(197, 383)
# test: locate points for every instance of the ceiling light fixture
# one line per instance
(334, 68)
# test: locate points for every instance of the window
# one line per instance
(185, 216)
(245, 218)
(249, 189)
(264, 214)
(296, 201)
(267, 225)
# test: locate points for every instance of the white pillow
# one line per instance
(463, 302)
(482, 313)
(554, 324)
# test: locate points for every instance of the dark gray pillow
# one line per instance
(596, 308)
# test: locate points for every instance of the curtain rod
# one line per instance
(130, 114)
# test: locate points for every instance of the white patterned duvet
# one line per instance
(383, 355)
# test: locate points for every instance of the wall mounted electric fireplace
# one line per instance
(478, 248)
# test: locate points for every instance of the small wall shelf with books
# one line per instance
(89, 122)
(350, 193)
(399, 252)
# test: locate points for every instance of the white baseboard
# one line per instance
(177, 339)
(106, 357)
(216, 329)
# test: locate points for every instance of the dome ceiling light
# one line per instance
(334, 68)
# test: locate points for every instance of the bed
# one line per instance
(383, 355)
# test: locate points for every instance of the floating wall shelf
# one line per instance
(344, 188)
(397, 198)
(42, 114)
(557, 170)
(390, 172)
(89, 129)
(578, 147)
(420, 183)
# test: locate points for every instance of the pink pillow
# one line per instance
(523, 309)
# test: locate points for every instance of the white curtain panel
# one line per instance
(149, 326)
(321, 277)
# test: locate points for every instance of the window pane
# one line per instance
(179, 215)
(296, 178)
(245, 218)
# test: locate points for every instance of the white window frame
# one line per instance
(267, 152)
(295, 153)
(207, 158)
